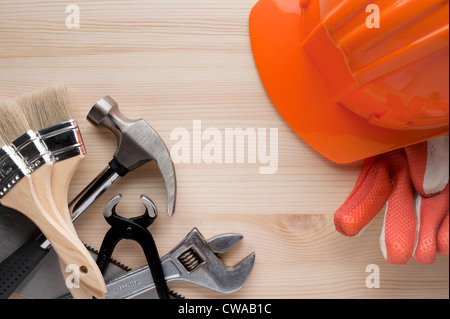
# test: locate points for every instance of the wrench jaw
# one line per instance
(222, 243)
(197, 262)
(239, 274)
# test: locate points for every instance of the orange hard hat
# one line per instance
(355, 79)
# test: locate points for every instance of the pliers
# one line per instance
(135, 229)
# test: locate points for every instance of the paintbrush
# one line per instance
(25, 183)
(49, 113)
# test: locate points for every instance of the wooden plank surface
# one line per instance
(174, 62)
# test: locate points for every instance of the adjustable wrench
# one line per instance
(194, 260)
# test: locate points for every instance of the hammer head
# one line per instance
(138, 144)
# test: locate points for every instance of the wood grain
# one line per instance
(175, 61)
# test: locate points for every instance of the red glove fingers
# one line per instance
(442, 237)
(431, 213)
(367, 198)
(399, 230)
(418, 228)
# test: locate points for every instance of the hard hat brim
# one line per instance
(303, 100)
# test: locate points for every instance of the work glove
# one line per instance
(412, 184)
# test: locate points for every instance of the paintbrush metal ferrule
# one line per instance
(32, 150)
(12, 169)
(63, 141)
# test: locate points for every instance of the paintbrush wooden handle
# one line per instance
(42, 176)
(62, 174)
(71, 251)
(56, 200)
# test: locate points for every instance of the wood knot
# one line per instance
(300, 223)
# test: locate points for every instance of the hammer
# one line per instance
(138, 144)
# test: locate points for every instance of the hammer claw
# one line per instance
(162, 158)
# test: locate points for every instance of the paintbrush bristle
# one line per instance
(13, 123)
(46, 107)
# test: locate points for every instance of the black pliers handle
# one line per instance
(135, 229)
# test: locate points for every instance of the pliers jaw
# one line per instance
(134, 229)
(119, 222)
